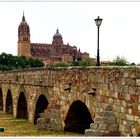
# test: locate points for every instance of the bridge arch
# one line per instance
(40, 106)
(1, 100)
(22, 110)
(9, 102)
(78, 117)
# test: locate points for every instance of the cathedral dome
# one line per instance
(57, 34)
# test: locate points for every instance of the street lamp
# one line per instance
(74, 57)
(98, 22)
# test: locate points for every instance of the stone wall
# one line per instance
(97, 87)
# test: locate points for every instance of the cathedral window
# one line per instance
(37, 54)
(25, 38)
(64, 51)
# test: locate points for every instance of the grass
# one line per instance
(21, 127)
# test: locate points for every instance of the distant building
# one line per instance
(49, 53)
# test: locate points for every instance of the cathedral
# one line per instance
(48, 53)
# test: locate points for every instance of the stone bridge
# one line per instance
(97, 101)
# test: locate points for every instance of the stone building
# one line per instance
(49, 53)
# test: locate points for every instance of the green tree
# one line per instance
(10, 62)
(35, 63)
(61, 64)
(4, 67)
(120, 61)
(87, 62)
(83, 63)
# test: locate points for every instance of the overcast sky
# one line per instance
(119, 32)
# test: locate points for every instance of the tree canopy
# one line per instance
(83, 63)
(10, 62)
(120, 61)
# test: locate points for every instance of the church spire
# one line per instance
(57, 31)
(23, 17)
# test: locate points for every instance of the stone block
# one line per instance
(119, 120)
(134, 110)
(130, 111)
(137, 73)
(123, 81)
(107, 93)
(124, 103)
(41, 120)
(127, 97)
(130, 82)
(129, 123)
(100, 92)
(109, 108)
(53, 126)
(89, 132)
(137, 82)
(106, 114)
(114, 133)
(105, 87)
(100, 120)
(58, 121)
(102, 126)
(121, 127)
(42, 115)
(40, 126)
(130, 117)
(128, 128)
(134, 132)
(134, 98)
(126, 74)
(93, 126)
(136, 118)
(110, 101)
(132, 90)
(101, 133)
(122, 109)
(124, 122)
(116, 108)
(115, 94)
(121, 96)
(138, 98)
(122, 116)
(112, 127)
(110, 87)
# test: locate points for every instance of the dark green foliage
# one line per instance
(10, 62)
(35, 63)
(133, 64)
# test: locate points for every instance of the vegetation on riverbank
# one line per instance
(21, 127)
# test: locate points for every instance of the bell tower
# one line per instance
(24, 38)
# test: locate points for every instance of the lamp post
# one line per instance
(98, 22)
(74, 57)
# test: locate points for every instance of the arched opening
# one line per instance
(1, 100)
(78, 118)
(22, 107)
(41, 105)
(9, 103)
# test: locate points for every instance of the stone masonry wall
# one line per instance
(115, 86)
